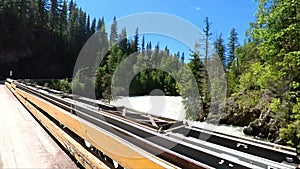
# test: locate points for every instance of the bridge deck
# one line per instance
(23, 142)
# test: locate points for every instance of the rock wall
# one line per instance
(254, 115)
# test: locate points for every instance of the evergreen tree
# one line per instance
(178, 55)
(206, 83)
(93, 26)
(148, 50)
(64, 18)
(113, 33)
(71, 8)
(123, 43)
(182, 57)
(103, 42)
(143, 46)
(207, 33)
(231, 46)
(24, 7)
(232, 62)
(32, 14)
(54, 15)
(88, 27)
(82, 32)
(196, 106)
(73, 29)
(220, 49)
(192, 88)
(166, 52)
(42, 18)
(155, 56)
(99, 24)
(135, 43)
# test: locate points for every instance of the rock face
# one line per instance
(30, 64)
(13, 56)
(264, 128)
(32, 52)
(254, 115)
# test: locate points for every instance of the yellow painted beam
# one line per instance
(126, 155)
(87, 159)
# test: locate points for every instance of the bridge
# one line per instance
(99, 135)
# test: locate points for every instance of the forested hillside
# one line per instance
(264, 78)
(42, 39)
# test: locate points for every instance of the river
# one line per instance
(171, 107)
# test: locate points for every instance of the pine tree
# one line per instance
(198, 70)
(206, 83)
(42, 13)
(82, 32)
(88, 27)
(103, 41)
(221, 51)
(24, 7)
(99, 25)
(193, 89)
(148, 50)
(73, 29)
(178, 55)
(143, 46)
(63, 19)
(232, 62)
(123, 43)
(32, 14)
(207, 34)
(93, 26)
(135, 43)
(155, 56)
(231, 47)
(113, 33)
(182, 57)
(71, 8)
(54, 15)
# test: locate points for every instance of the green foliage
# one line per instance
(193, 87)
(82, 83)
(113, 33)
(62, 85)
(291, 130)
(191, 98)
(232, 80)
(207, 33)
(251, 99)
(65, 85)
(50, 31)
(258, 77)
(232, 46)
(221, 51)
(272, 62)
(197, 67)
(288, 111)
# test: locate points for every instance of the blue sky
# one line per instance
(224, 15)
